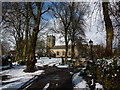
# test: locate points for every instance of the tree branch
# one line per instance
(31, 11)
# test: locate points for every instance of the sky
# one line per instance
(94, 29)
(91, 27)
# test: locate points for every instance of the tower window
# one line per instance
(63, 53)
(57, 52)
(69, 53)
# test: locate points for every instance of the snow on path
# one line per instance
(79, 81)
(63, 66)
(46, 61)
(99, 86)
(46, 86)
(19, 78)
(3, 67)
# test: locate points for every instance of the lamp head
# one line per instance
(91, 42)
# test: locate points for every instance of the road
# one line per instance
(53, 78)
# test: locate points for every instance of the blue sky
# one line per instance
(93, 32)
(47, 15)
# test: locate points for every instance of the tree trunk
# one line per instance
(72, 49)
(37, 18)
(26, 34)
(31, 59)
(26, 43)
(17, 55)
(18, 50)
(72, 43)
(66, 47)
(109, 29)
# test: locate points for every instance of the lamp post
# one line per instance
(91, 46)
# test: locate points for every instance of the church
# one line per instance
(58, 51)
(82, 50)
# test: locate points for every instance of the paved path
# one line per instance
(53, 78)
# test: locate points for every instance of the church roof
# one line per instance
(63, 46)
(60, 47)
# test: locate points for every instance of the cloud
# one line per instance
(52, 26)
(95, 29)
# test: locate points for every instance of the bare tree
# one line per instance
(27, 21)
(40, 47)
(62, 12)
(76, 29)
(109, 28)
(115, 14)
(38, 6)
(14, 24)
(23, 21)
(5, 47)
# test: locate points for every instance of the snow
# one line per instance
(46, 61)
(109, 61)
(82, 84)
(79, 82)
(3, 67)
(46, 86)
(63, 66)
(76, 79)
(50, 62)
(99, 86)
(19, 78)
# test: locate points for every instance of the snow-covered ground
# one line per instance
(18, 77)
(3, 67)
(63, 66)
(99, 86)
(46, 61)
(79, 82)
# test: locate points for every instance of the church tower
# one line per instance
(50, 43)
